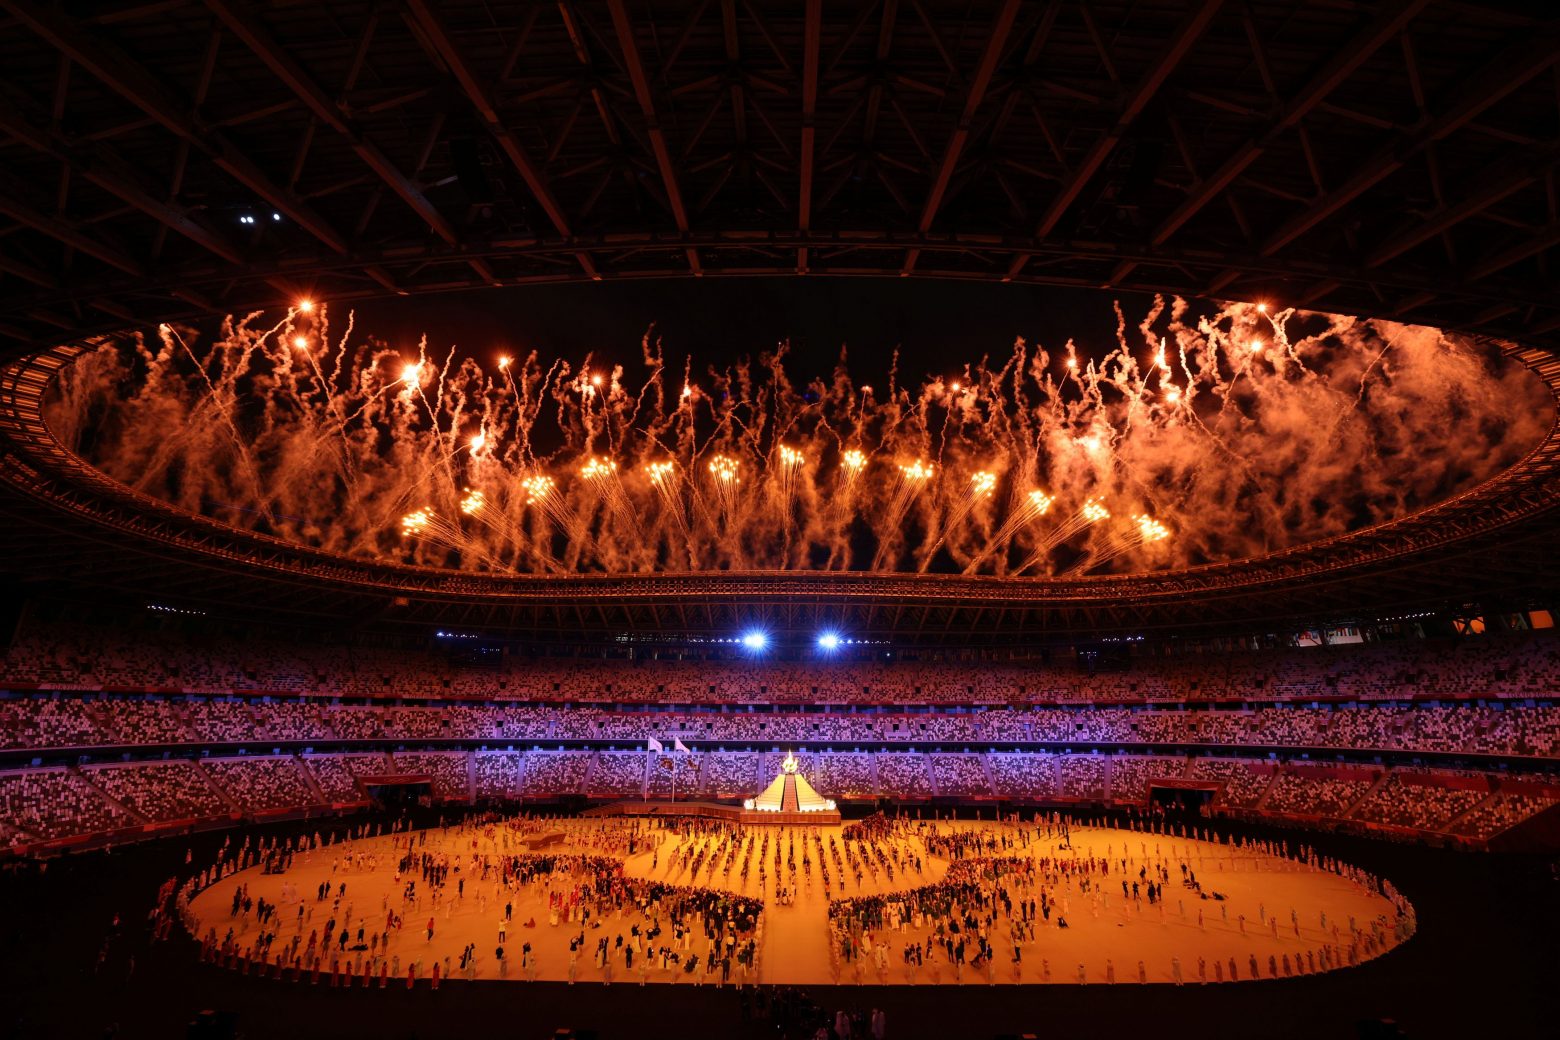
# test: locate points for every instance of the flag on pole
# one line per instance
(677, 745)
(655, 745)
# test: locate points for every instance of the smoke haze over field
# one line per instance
(1201, 436)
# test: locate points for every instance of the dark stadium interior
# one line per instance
(1014, 433)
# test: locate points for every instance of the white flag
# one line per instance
(655, 745)
(677, 745)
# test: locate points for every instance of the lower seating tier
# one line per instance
(43, 721)
(42, 806)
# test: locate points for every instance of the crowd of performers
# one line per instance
(688, 933)
(713, 847)
(999, 892)
(995, 898)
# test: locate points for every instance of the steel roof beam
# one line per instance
(241, 21)
(103, 167)
(1132, 106)
(28, 273)
(1508, 71)
(623, 26)
(438, 38)
(67, 232)
(882, 255)
(1388, 24)
(1546, 238)
(996, 43)
(1504, 181)
(812, 39)
(137, 86)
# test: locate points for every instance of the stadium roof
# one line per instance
(167, 159)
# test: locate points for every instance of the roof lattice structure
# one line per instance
(164, 159)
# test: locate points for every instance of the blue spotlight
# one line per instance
(755, 640)
(829, 641)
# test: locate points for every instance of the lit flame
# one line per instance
(478, 442)
(1151, 530)
(410, 373)
(1255, 346)
(301, 342)
(597, 468)
(536, 488)
(306, 305)
(503, 363)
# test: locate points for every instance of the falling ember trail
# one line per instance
(980, 489)
(1145, 530)
(1091, 512)
(1030, 508)
(908, 482)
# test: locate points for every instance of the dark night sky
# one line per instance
(939, 325)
